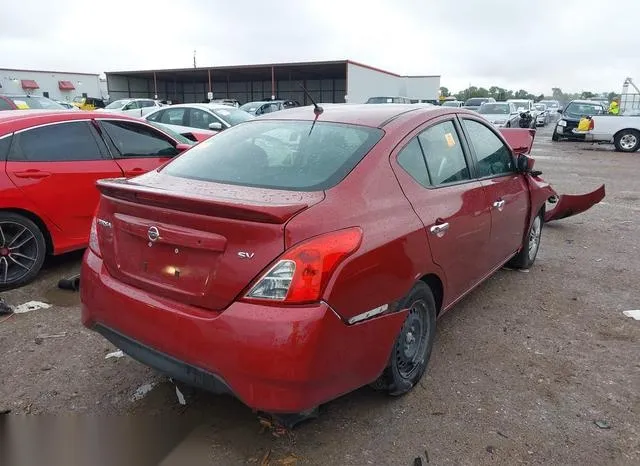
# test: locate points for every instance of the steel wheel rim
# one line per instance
(628, 141)
(412, 340)
(18, 252)
(534, 238)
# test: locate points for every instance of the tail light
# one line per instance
(591, 124)
(94, 245)
(301, 274)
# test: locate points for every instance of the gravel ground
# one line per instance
(520, 370)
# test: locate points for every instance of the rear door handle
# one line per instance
(499, 205)
(439, 229)
(32, 173)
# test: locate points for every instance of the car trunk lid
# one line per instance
(520, 139)
(197, 242)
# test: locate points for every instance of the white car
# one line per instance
(132, 107)
(67, 105)
(622, 131)
(542, 118)
(184, 118)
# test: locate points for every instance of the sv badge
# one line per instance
(246, 255)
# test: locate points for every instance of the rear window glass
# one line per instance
(578, 110)
(288, 155)
(474, 102)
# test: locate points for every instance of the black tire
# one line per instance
(410, 353)
(554, 136)
(508, 125)
(22, 250)
(527, 255)
(627, 140)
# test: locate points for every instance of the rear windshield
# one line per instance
(474, 102)
(286, 155)
(24, 103)
(578, 110)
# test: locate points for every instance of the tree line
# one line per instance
(501, 94)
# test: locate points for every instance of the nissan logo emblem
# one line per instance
(153, 233)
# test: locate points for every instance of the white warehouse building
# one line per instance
(56, 85)
(337, 81)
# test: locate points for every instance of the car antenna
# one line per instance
(317, 109)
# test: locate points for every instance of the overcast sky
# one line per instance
(536, 45)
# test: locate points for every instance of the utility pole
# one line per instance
(194, 59)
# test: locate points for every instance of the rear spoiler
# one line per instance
(126, 190)
(520, 139)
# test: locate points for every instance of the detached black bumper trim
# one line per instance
(165, 364)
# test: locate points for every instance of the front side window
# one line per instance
(493, 156)
(4, 105)
(412, 160)
(62, 142)
(136, 140)
(291, 155)
(444, 154)
(132, 105)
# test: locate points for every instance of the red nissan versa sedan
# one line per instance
(50, 162)
(290, 260)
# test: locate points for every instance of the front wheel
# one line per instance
(411, 352)
(22, 250)
(627, 140)
(527, 255)
(554, 136)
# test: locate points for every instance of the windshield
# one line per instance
(578, 110)
(27, 102)
(117, 104)
(177, 136)
(541, 107)
(494, 109)
(251, 107)
(474, 102)
(233, 116)
(381, 100)
(450, 104)
(291, 155)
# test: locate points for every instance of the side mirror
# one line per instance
(215, 126)
(181, 147)
(559, 110)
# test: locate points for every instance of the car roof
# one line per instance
(357, 114)
(212, 106)
(15, 120)
(585, 101)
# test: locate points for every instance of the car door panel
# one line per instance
(455, 214)
(507, 192)
(56, 167)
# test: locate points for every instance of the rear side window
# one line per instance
(444, 155)
(411, 159)
(173, 116)
(61, 142)
(494, 158)
(5, 144)
(4, 105)
(136, 140)
(292, 155)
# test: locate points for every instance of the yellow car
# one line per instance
(87, 103)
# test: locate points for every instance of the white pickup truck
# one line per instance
(622, 131)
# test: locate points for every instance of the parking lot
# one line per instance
(521, 371)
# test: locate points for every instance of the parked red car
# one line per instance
(290, 260)
(51, 161)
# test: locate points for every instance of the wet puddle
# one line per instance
(64, 298)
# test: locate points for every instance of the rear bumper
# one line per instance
(275, 359)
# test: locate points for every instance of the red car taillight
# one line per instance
(94, 245)
(302, 273)
(591, 124)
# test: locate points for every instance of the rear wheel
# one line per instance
(22, 250)
(627, 140)
(527, 255)
(412, 349)
(554, 136)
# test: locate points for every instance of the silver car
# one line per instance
(184, 118)
(500, 114)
